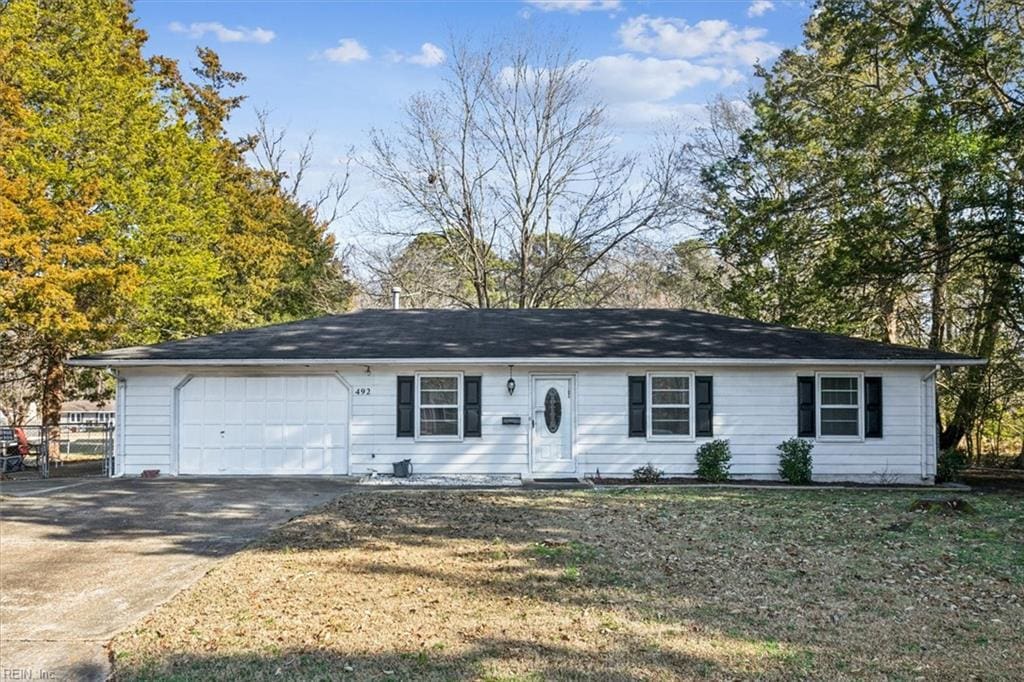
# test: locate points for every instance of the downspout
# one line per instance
(117, 444)
(926, 422)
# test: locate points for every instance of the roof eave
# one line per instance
(257, 362)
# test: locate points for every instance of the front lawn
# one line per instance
(624, 584)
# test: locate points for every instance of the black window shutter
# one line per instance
(805, 407)
(872, 407)
(471, 407)
(406, 405)
(637, 407)
(705, 407)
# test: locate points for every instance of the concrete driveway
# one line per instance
(82, 560)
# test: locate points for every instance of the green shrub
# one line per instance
(713, 461)
(648, 473)
(951, 463)
(795, 461)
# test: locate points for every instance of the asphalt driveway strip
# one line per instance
(82, 560)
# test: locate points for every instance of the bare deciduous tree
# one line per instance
(512, 166)
(270, 155)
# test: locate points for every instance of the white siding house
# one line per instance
(873, 419)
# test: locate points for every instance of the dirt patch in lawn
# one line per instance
(995, 479)
(622, 584)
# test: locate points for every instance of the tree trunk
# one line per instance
(890, 330)
(52, 398)
(524, 266)
(1003, 259)
(940, 273)
(966, 412)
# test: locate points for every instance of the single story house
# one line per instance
(87, 413)
(72, 413)
(535, 393)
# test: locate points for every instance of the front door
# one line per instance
(552, 436)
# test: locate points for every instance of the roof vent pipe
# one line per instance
(396, 298)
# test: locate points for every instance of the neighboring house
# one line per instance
(31, 417)
(87, 413)
(72, 413)
(536, 393)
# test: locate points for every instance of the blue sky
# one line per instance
(341, 68)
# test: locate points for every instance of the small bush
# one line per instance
(713, 461)
(951, 463)
(648, 473)
(795, 461)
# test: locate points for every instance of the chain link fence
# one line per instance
(67, 451)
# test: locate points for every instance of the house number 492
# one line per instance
(363, 390)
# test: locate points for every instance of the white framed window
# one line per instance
(840, 406)
(670, 406)
(439, 406)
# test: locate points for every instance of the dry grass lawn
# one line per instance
(630, 584)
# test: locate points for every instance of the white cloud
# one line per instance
(710, 40)
(625, 78)
(686, 115)
(760, 7)
(643, 114)
(239, 34)
(348, 50)
(429, 55)
(575, 6)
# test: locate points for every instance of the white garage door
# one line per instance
(263, 425)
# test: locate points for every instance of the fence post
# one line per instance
(108, 451)
(44, 452)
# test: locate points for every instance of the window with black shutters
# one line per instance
(872, 407)
(669, 406)
(471, 426)
(405, 421)
(840, 410)
(439, 406)
(704, 407)
(805, 409)
(637, 407)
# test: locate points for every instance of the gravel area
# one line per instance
(463, 481)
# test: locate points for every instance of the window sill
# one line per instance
(670, 439)
(438, 439)
(839, 439)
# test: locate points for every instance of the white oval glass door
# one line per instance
(552, 433)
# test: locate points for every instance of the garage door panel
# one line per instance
(274, 411)
(258, 412)
(273, 435)
(273, 459)
(191, 412)
(317, 388)
(214, 388)
(234, 413)
(255, 388)
(295, 388)
(293, 459)
(316, 412)
(234, 458)
(314, 459)
(209, 435)
(295, 412)
(191, 459)
(274, 387)
(213, 411)
(263, 425)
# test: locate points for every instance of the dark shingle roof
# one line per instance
(538, 333)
